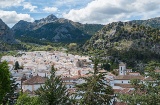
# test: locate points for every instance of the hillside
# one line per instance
(126, 41)
(153, 22)
(7, 40)
(56, 29)
(6, 34)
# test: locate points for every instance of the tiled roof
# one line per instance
(134, 73)
(35, 80)
(117, 90)
(124, 85)
(157, 71)
(120, 103)
(148, 79)
(129, 77)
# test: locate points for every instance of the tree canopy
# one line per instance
(4, 80)
(95, 90)
(16, 65)
(53, 92)
(24, 99)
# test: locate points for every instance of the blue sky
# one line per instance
(84, 11)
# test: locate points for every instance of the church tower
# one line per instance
(122, 68)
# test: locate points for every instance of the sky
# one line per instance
(83, 11)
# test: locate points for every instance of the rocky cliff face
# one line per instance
(126, 41)
(6, 34)
(56, 29)
(124, 36)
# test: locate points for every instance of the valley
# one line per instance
(81, 55)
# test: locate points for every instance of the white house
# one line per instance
(33, 83)
(123, 80)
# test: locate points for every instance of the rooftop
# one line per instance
(35, 80)
(129, 77)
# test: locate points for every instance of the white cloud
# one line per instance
(50, 9)
(27, 5)
(10, 3)
(17, 3)
(105, 11)
(12, 17)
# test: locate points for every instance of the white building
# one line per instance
(33, 83)
(123, 80)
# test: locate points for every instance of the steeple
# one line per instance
(122, 68)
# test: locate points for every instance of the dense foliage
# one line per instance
(24, 99)
(125, 41)
(4, 80)
(54, 91)
(12, 95)
(95, 90)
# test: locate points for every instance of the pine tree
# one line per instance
(4, 80)
(12, 95)
(16, 65)
(95, 91)
(25, 99)
(53, 92)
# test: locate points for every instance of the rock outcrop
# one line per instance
(6, 34)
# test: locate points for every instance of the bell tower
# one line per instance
(122, 68)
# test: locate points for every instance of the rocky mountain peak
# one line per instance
(51, 17)
(6, 34)
(48, 19)
(21, 24)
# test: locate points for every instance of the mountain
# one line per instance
(126, 41)
(6, 34)
(7, 41)
(55, 29)
(153, 22)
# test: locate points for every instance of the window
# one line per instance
(122, 81)
(121, 68)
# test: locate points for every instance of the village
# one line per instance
(36, 68)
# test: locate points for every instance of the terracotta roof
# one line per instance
(117, 90)
(148, 79)
(134, 73)
(35, 80)
(124, 85)
(157, 71)
(129, 77)
(120, 103)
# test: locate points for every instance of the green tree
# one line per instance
(151, 66)
(4, 80)
(53, 92)
(72, 46)
(95, 91)
(16, 65)
(24, 99)
(12, 95)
